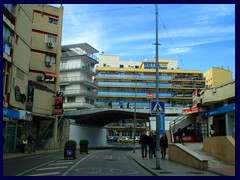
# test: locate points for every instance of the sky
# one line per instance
(199, 36)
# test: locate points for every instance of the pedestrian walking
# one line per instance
(128, 104)
(110, 104)
(180, 138)
(144, 141)
(120, 104)
(31, 141)
(163, 145)
(152, 145)
(23, 143)
(212, 131)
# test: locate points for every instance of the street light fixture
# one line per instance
(134, 118)
(157, 96)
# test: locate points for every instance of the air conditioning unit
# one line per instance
(50, 44)
(48, 63)
(40, 78)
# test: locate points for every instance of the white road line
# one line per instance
(31, 157)
(92, 157)
(45, 174)
(76, 164)
(65, 163)
(51, 168)
(35, 167)
(108, 157)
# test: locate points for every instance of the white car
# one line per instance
(123, 139)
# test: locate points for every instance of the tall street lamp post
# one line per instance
(134, 118)
(157, 96)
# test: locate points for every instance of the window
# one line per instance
(71, 99)
(9, 7)
(53, 21)
(51, 59)
(49, 38)
(121, 66)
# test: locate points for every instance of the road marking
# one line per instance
(45, 174)
(60, 163)
(36, 167)
(108, 157)
(76, 164)
(51, 168)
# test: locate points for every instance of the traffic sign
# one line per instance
(157, 107)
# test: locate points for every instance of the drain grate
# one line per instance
(194, 172)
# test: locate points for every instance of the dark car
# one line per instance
(112, 139)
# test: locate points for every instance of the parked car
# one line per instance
(112, 139)
(123, 139)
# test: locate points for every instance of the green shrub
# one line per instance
(83, 142)
(70, 144)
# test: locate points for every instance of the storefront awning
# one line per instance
(50, 75)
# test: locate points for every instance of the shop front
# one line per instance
(10, 121)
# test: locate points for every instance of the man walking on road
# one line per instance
(144, 141)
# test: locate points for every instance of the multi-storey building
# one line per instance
(77, 76)
(31, 53)
(127, 82)
(217, 76)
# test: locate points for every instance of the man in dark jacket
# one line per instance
(163, 145)
(30, 141)
(144, 141)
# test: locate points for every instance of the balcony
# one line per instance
(77, 66)
(77, 105)
(77, 79)
(78, 92)
(72, 55)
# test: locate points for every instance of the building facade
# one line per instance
(217, 76)
(31, 53)
(125, 82)
(77, 76)
(221, 113)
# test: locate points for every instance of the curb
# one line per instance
(149, 170)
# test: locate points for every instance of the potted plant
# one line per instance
(83, 143)
(70, 149)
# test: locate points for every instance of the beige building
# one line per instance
(217, 76)
(32, 36)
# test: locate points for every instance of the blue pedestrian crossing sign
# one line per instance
(157, 107)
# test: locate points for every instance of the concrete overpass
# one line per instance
(99, 117)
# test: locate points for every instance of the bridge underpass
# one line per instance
(101, 117)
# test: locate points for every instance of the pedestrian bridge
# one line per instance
(100, 117)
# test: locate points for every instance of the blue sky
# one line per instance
(199, 36)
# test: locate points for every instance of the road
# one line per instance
(111, 162)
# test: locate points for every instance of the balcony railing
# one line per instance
(78, 92)
(75, 66)
(78, 105)
(74, 79)
(123, 76)
(73, 54)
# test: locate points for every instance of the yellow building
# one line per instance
(124, 82)
(32, 36)
(217, 76)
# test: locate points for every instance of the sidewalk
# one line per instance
(170, 168)
(19, 154)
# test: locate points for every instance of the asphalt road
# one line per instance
(111, 162)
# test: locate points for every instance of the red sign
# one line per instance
(194, 98)
(185, 138)
(194, 110)
(149, 95)
(58, 106)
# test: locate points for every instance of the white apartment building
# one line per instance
(77, 71)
